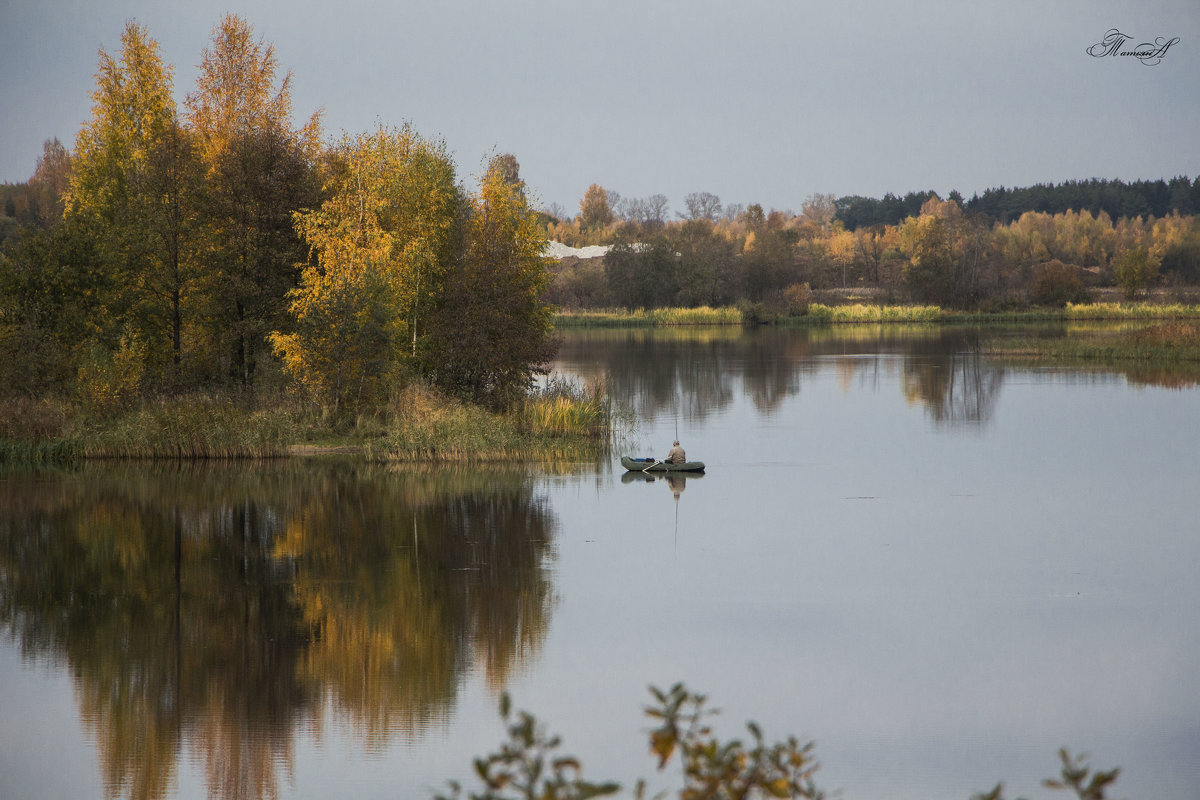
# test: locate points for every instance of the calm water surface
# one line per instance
(938, 568)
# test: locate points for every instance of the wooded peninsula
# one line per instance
(212, 280)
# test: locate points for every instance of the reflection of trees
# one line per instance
(147, 590)
(695, 372)
(404, 586)
(220, 607)
(692, 372)
(952, 379)
(773, 363)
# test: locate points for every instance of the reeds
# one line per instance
(1122, 311)
(189, 428)
(643, 318)
(566, 409)
(870, 313)
(560, 420)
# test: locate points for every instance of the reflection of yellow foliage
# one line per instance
(385, 653)
(137, 738)
(240, 761)
(220, 605)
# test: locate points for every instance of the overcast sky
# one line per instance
(755, 101)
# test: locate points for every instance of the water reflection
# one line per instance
(676, 482)
(225, 608)
(694, 373)
(952, 379)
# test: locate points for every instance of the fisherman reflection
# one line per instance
(676, 483)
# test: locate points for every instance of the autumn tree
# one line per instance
(655, 210)
(702, 205)
(594, 211)
(491, 331)
(816, 216)
(1056, 284)
(132, 184)
(770, 263)
(381, 242)
(843, 247)
(50, 182)
(51, 287)
(1134, 270)
(754, 217)
(708, 270)
(643, 275)
(259, 171)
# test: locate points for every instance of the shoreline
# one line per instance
(853, 312)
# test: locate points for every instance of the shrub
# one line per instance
(1056, 284)
(797, 298)
(108, 381)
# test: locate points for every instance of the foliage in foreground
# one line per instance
(1076, 775)
(528, 765)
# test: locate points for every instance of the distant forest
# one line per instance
(1157, 198)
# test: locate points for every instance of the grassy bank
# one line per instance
(558, 421)
(869, 313)
(642, 318)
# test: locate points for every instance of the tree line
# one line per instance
(938, 251)
(1158, 198)
(219, 245)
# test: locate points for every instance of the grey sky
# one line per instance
(755, 101)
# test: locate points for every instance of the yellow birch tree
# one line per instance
(381, 241)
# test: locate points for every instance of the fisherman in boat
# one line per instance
(676, 456)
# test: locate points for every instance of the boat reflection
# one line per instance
(676, 482)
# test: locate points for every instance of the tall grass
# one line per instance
(566, 409)
(861, 312)
(195, 427)
(609, 318)
(192, 427)
(560, 420)
(1122, 311)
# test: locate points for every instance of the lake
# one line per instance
(939, 568)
